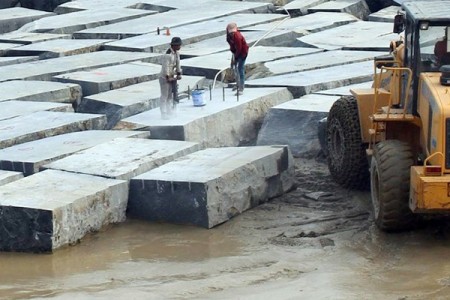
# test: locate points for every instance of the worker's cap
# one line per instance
(176, 41)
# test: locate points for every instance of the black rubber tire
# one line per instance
(347, 160)
(389, 180)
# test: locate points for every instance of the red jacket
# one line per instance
(238, 45)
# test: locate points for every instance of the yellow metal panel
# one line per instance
(431, 193)
(366, 99)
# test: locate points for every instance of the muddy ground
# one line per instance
(316, 242)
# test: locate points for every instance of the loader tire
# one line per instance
(347, 160)
(389, 180)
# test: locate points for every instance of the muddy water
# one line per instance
(26, 275)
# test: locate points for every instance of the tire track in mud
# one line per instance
(315, 212)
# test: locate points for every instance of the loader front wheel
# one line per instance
(347, 160)
(389, 181)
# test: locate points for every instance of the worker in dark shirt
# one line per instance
(239, 48)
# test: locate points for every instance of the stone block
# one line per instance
(9, 176)
(295, 123)
(123, 158)
(225, 120)
(109, 78)
(43, 124)
(29, 157)
(15, 17)
(209, 187)
(51, 209)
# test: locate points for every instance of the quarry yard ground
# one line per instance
(316, 242)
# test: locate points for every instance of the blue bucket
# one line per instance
(197, 97)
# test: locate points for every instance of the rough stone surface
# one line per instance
(9, 176)
(190, 33)
(52, 209)
(294, 123)
(302, 83)
(358, 8)
(45, 69)
(123, 158)
(68, 24)
(385, 15)
(29, 157)
(57, 48)
(44, 124)
(4, 61)
(216, 184)
(13, 18)
(300, 7)
(131, 100)
(110, 78)
(47, 91)
(11, 109)
(30, 37)
(218, 123)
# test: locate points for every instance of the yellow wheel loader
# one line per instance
(395, 136)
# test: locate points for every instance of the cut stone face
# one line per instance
(124, 158)
(51, 209)
(25, 38)
(44, 124)
(11, 109)
(15, 17)
(9, 176)
(226, 120)
(214, 185)
(29, 157)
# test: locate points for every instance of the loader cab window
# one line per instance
(432, 46)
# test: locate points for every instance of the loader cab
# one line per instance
(426, 39)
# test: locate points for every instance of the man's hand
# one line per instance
(178, 77)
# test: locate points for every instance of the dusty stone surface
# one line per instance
(11, 109)
(9, 176)
(14, 18)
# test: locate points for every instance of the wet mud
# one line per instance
(316, 242)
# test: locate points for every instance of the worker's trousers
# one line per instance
(166, 100)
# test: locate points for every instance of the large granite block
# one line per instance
(47, 68)
(11, 109)
(110, 78)
(121, 103)
(211, 186)
(57, 48)
(47, 91)
(4, 61)
(225, 120)
(15, 17)
(26, 38)
(295, 123)
(43, 124)
(9, 176)
(29, 157)
(51, 209)
(70, 23)
(358, 8)
(123, 158)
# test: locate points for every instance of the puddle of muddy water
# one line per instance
(130, 241)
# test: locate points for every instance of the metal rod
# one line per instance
(223, 93)
(210, 93)
(237, 95)
(189, 92)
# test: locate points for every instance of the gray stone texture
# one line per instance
(302, 83)
(57, 48)
(123, 158)
(70, 23)
(47, 91)
(13, 108)
(9, 176)
(40, 215)
(45, 69)
(44, 124)
(294, 123)
(4, 61)
(358, 8)
(172, 19)
(29, 157)
(215, 185)
(218, 123)
(13, 18)
(26, 38)
(190, 33)
(110, 78)
(133, 99)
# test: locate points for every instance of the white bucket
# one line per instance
(197, 97)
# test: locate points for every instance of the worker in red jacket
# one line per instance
(239, 48)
